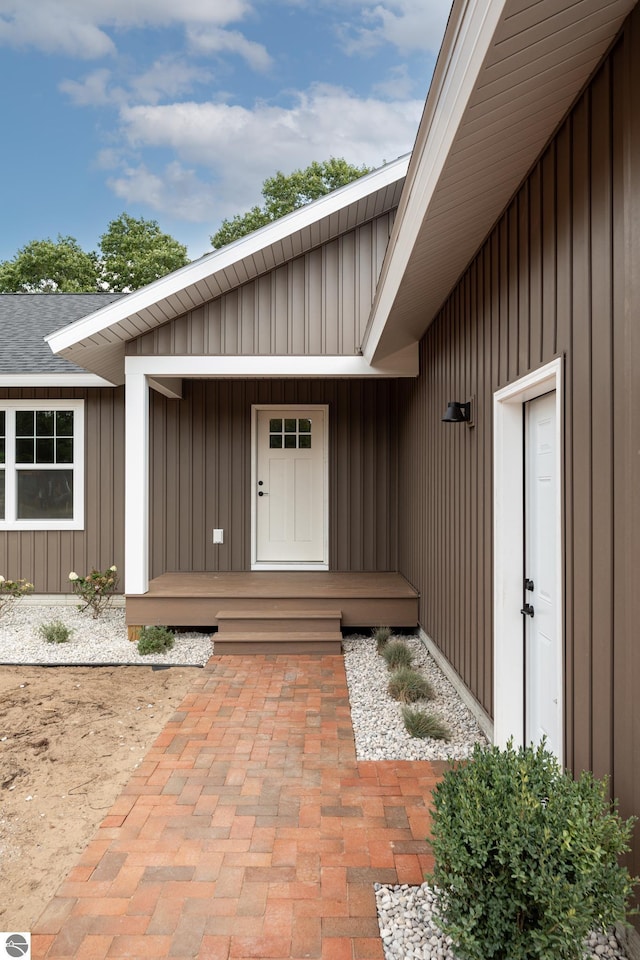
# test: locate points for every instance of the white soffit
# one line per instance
(96, 342)
(508, 72)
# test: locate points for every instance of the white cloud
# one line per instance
(238, 147)
(78, 27)
(207, 40)
(49, 31)
(169, 76)
(111, 158)
(408, 25)
(177, 191)
(93, 90)
(398, 84)
(149, 12)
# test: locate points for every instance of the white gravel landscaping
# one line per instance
(377, 719)
(100, 641)
(409, 930)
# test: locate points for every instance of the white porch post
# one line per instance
(136, 513)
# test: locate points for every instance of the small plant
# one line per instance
(96, 590)
(54, 632)
(424, 725)
(407, 685)
(526, 858)
(397, 654)
(12, 590)
(155, 640)
(381, 635)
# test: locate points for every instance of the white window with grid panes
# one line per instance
(41, 464)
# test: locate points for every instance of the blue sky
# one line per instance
(176, 110)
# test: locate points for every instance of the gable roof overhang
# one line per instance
(97, 342)
(508, 72)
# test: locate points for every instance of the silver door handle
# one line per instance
(262, 493)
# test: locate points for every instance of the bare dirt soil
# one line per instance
(70, 737)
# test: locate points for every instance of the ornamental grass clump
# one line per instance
(12, 590)
(96, 590)
(155, 640)
(381, 635)
(526, 858)
(407, 686)
(54, 632)
(424, 726)
(397, 654)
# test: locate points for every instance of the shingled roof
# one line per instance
(25, 320)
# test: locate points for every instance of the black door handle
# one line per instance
(528, 610)
(262, 493)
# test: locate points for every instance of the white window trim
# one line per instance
(508, 533)
(10, 470)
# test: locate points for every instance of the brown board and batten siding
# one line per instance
(45, 557)
(559, 275)
(315, 304)
(201, 472)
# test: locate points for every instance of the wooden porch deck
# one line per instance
(265, 600)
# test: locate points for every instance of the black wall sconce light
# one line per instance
(459, 413)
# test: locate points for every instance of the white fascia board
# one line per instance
(468, 41)
(402, 364)
(209, 264)
(53, 380)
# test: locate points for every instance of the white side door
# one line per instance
(290, 496)
(543, 645)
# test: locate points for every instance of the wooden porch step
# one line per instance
(277, 630)
(277, 620)
(270, 642)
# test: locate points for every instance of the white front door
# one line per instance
(290, 487)
(543, 659)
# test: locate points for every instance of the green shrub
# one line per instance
(155, 640)
(526, 858)
(423, 725)
(407, 685)
(381, 635)
(54, 632)
(397, 654)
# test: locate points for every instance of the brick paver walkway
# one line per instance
(249, 831)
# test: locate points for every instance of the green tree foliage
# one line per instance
(50, 266)
(286, 192)
(134, 252)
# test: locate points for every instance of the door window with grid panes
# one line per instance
(290, 433)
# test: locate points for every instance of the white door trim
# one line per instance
(508, 539)
(255, 408)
